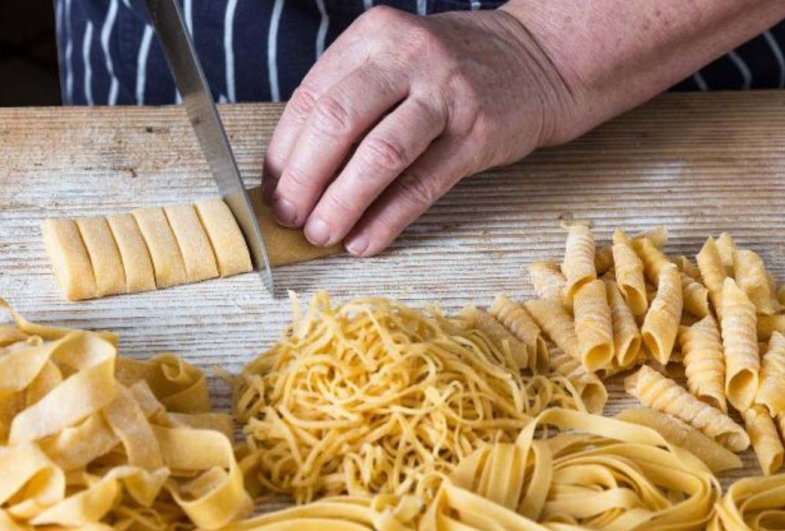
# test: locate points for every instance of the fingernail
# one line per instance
(317, 232)
(285, 212)
(357, 245)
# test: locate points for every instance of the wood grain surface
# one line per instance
(699, 163)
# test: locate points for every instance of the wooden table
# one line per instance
(700, 164)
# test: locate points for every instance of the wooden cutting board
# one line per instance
(699, 164)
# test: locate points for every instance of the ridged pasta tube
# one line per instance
(765, 439)
(476, 318)
(688, 267)
(626, 334)
(594, 325)
(517, 320)
(740, 342)
(712, 272)
(588, 385)
(578, 266)
(549, 282)
(727, 249)
(556, 323)
(663, 394)
(662, 320)
(653, 259)
(628, 269)
(768, 324)
(752, 278)
(603, 259)
(771, 392)
(704, 362)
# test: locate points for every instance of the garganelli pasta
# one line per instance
(765, 439)
(594, 325)
(713, 272)
(687, 267)
(771, 392)
(662, 320)
(704, 361)
(726, 248)
(768, 324)
(626, 334)
(549, 282)
(518, 321)
(557, 324)
(629, 273)
(591, 389)
(522, 358)
(742, 359)
(753, 279)
(578, 266)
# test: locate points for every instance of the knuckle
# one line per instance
(417, 191)
(302, 102)
(379, 15)
(340, 207)
(293, 180)
(386, 153)
(331, 117)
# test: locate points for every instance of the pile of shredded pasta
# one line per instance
(375, 397)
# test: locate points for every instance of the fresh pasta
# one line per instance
(578, 266)
(518, 321)
(765, 439)
(713, 272)
(663, 394)
(739, 341)
(662, 320)
(704, 361)
(771, 392)
(768, 324)
(628, 269)
(751, 504)
(593, 393)
(727, 250)
(626, 334)
(503, 340)
(752, 277)
(594, 325)
(549, 282)
(557, 324)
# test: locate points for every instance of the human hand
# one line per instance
(426, 101)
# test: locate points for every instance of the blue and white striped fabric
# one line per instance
(259, 50)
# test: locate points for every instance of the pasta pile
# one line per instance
(92, 441)
(375, 397)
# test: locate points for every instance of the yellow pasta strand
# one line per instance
(592, 391)
(713, 272)
(771, 392)
(629, 273)
(549, 282)
(626, 335)
(557, 324)
(593, 325)
(765, 439)
(518, 321)
(739, 340)
(662, 320)
(753, 503)
(663, 394)
(704, 362)
(578, 266)
(752, 278)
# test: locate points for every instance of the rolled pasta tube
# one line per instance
(594, 325)
(652, 258)
(226, 238)
(604, 259)
(590, 387)
(198, 256)
(70, 261)
(104, 256)
(688, 268)
(162, 245)
(781, 294)
(727, 249)
(517, 320)
(765, 439)
(626, 334)
(752, 278)
(629, 273)
(742, 360)
(663, 394)
(696, 296)
(549, 282)
(557, 324)
(704, 362)
(138, 267)
(661, 324)
(768, 324)
(712, 271)
(476, 318)
(771, 392)
(578, 266)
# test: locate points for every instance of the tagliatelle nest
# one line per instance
(375, 397)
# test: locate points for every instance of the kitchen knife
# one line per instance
(189, 78)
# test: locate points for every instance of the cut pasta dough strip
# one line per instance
(629, 273)
(231, 251)
(162, 245)
(663, 394)
(593, 325)
(104, 256)
(549, 282)
(578, 266)
(593, 393)
(198, 257)
(626, 335)
(742, 360)
(518, 321)
(771, 392)
(138, 267)
(704, 362)
(557, 324)
(765, 439)
(752, 278)
(70, 261)
(662, 320)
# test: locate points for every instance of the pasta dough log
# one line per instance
(629, 273)
(557, 325)
(752, 278)
(704, 362)
(765, 439)
(549, 282)
(70, 261)
(739, 339)
(138, 267)
(476, 318)
(104, 256)
(771, 392)
(229, 246)
(578, 266)
(594, 325)
(663, 394)
(162, 245)
(198, 256)
(590, 387)
(626, 335)
(661, 324)
(518, 321)
(712, 272)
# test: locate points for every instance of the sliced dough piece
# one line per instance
(162, 245)
(70, 261)
(104, 255)
(194, 245)
(231, 251)
(139, 272)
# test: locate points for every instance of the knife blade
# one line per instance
(190, 80)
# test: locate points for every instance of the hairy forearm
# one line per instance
(616, 54)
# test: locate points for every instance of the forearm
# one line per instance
(616, 54)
